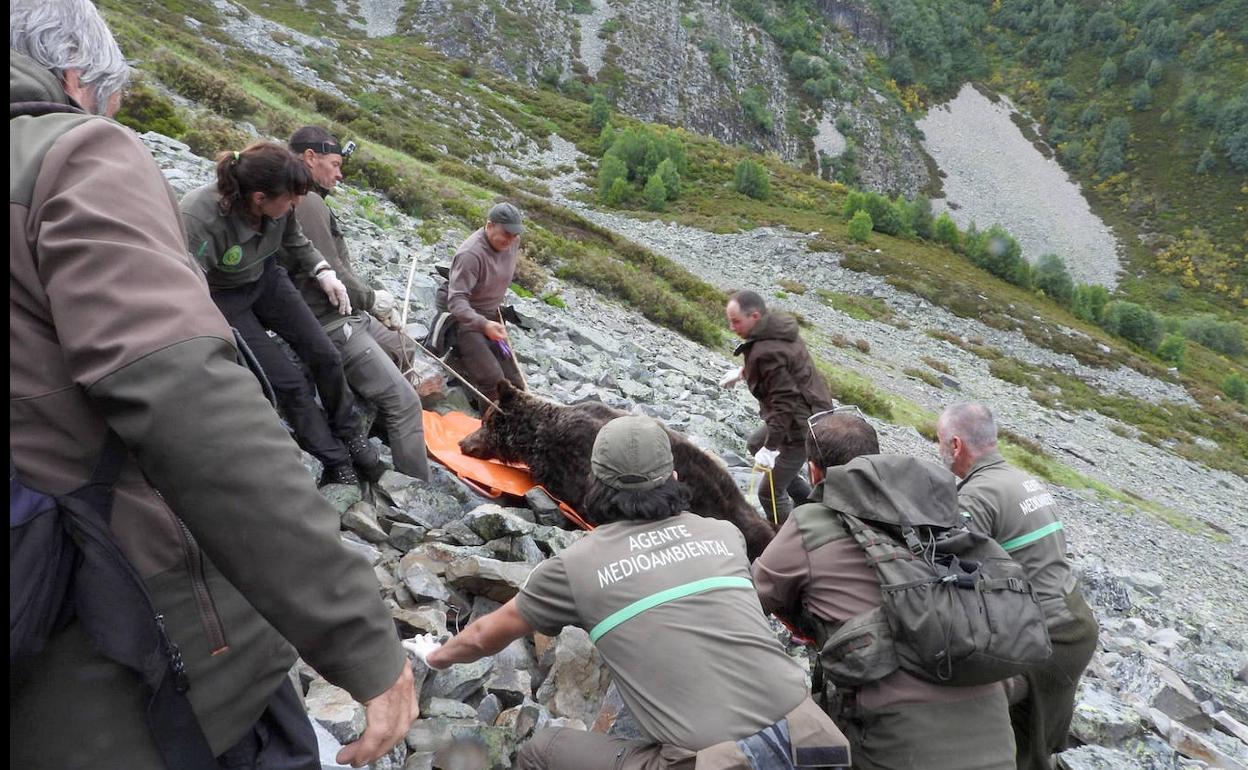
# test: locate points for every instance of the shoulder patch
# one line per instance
(232, 256)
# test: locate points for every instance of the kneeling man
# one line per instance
(666, 596)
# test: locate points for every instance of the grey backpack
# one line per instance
(957, 609)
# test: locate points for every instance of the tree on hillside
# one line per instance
(921, 217)
(1133, 322)
(1089, 301)
(860, 226)
(1109, 73)
(751, 179)
(599, 112)
(1173, 350)
(671, 178)
(946, 231)
(610, 170)
(655, 193)
(1053, 279)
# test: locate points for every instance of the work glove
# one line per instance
(383, 305)
(731, 377)
(335, 290)
(766, 458)
(422, 645)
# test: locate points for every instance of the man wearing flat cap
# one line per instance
(481, 273)
(666, 597)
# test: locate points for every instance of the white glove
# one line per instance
(334, 289)
(421, 646)
(766, 458)
(731, 378)
(383, 305)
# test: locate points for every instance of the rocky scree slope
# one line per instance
(688, 64)
(1167, 688)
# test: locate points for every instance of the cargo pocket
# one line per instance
(860, 651)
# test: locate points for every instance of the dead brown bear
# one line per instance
(555, 440)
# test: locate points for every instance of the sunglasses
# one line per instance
(326, 148)
(817, 416)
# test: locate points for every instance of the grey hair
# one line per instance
(66, 35)
(973, 423)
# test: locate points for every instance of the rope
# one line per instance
(771, 484)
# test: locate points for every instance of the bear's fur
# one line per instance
(555, 441)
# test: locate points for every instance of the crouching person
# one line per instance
(667, 598)
(815, 570)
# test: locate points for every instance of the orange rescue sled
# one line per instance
(491, 478)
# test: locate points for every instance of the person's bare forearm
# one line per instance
(486, 636)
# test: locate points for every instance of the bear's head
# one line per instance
(506, 428)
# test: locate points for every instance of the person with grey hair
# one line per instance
(481, 272)
(114, 342)
(1017, 511)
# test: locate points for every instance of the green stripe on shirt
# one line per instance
(663, 597)
(1014, 544)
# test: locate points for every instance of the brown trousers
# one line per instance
(562, 748)
(483, 364)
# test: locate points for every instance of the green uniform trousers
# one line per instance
(972, 734)
(1042, 720)
(562, 748)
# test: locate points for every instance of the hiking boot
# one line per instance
(342, 473)
(365, 457)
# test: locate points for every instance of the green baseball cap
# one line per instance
(508, 216)
(632, 453)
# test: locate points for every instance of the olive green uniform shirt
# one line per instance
(671, 608)
(231, 253)
(1016, 510)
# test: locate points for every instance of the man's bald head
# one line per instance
(965, 433)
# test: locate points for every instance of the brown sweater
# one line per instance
(480, 277)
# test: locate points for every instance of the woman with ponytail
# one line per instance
(237, 228)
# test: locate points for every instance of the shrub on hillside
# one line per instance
(145, 109)
(1134, 323)
(1236, 388)
(886, 216)
(860, 226)
(655, 194)
(1173, 350)
(996, 251)
(946, 231)
(921, 217)
(751, 179)
(1088, 302)
(610, 169)
(200, 84)
(1052, 278)
(671, 178)
(1223, 337)
(209, 135)
(754, 105)
(599, 112)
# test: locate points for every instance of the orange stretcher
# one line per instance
(491, 478)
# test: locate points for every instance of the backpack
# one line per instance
(64, 564)
(957, 610)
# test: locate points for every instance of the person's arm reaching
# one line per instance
(488, 635)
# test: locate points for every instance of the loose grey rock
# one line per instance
(491, 522)
(361, 518)
(577, 680)
(423, 583)
(1100, 718)
(405, 537)
(458, 682)
(499, 580)
(335, 710)
(443, 707)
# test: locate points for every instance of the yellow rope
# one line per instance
(771, 484)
